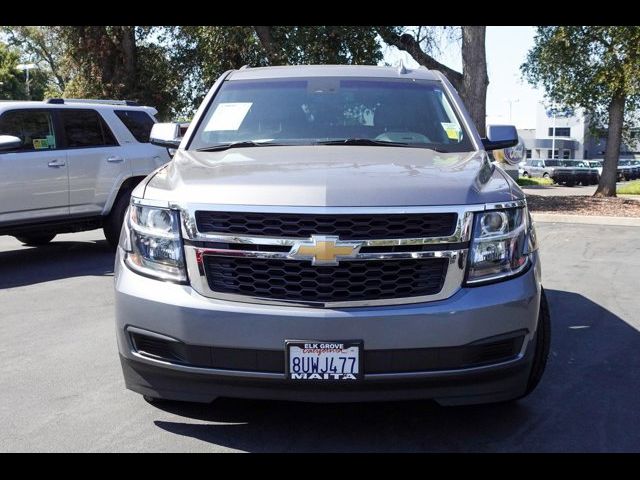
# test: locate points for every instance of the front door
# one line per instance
(34, 178)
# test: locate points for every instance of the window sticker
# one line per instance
(452, 130)
(40, 143)
(228, 116)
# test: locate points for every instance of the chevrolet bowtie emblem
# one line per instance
(324, 250)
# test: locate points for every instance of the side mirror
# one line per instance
(500, 136)
(9, 142)
(513, 155)
(166, 135)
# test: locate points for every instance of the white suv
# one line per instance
(70, 165)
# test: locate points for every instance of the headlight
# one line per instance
(501, 244)
(152, 243)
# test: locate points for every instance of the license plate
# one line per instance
(324, 360)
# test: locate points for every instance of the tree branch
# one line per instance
(409, 44)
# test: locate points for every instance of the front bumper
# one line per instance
(467, 317)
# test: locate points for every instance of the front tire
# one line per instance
(542, 346)
(113, 222)
(36, 239)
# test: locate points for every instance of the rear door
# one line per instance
(145, 157)
(34, 178)
(97, 164)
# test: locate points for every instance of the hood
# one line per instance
(330, 176)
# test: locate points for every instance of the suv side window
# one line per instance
(85, 128)
(138, 123)
(33, 127)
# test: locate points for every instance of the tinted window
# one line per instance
(85, 128)
(560, 131)
(33, 127)
(138, 123)
(552, 163)
(309, 111)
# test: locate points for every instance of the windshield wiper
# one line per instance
(382, 143)
(243, 144)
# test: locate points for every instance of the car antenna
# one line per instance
(402, 70)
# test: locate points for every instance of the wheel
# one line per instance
(525, 175)
(570, 184)
(542, 346)
(113, 222)
(545, 175)
(35, 239)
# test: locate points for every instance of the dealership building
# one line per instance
(572, 138)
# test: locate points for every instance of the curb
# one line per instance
(584, 219)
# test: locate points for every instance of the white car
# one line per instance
(70, 165)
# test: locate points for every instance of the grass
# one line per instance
(630, 188)
(534, 181)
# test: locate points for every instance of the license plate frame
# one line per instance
(328, 377)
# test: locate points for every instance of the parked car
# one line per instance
(331, 233)
(566, 171)
(70, 165)
(597, 165)
(628, 169)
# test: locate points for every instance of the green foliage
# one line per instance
(172, 68)
(584, 66)
(11, 85)
(13, 81)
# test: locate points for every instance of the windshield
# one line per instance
(403, 112)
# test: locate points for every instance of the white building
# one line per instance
(572, 138)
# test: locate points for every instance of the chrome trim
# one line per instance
(512, 204)
(455, 271)
(221, 252)
(452, 283)
(462, 232)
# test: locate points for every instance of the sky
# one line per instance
(506, 49)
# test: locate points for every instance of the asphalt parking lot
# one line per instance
(61, 387)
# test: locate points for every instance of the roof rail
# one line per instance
(244, 67)
(60, 101)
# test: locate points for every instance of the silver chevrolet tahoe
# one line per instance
(331, 234)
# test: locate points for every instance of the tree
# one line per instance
(203, 53)
(13, 81)
(471, 83)
(597, 69)
(121, 62)
(44, 47)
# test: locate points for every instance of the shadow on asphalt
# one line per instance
(56, 260)
(587, 401)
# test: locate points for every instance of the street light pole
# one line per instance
(553, 137)
(26, 67)
(511, 102)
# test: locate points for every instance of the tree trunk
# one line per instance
(607, 185)
(128, 44)
(474, 75)
(471, 84)
(273, 50)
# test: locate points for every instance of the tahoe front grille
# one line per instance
(347, 227)
(299, 281)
